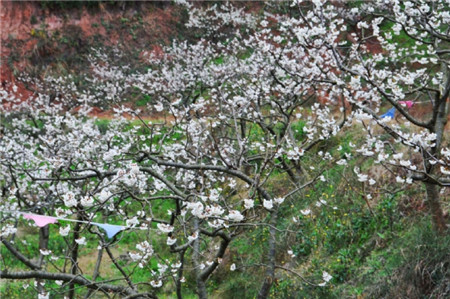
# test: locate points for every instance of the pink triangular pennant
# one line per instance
(408, 104)
(40, 220)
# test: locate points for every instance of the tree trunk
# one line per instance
(201, 286)
(180, 275)
(270, 271)
(96, 271)
(43, 242)
(74, 257)
(201, 289)
(441, 113)
(434, 206)
(44, 234)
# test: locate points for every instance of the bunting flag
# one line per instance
(110, 229)
(40, 220)
(390, 113)
(408, 104)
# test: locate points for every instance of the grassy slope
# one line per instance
(382, 250)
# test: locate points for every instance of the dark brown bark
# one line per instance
(271, 254)
(201, 286)
(180, 275)
(434, 206)
(74, 258)
(440, 117)
(43, 242)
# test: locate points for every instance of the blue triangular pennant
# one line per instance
(110, 229)
(390, 113)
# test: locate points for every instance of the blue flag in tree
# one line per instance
(110, 229)
(390, 113)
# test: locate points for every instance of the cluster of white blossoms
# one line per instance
(69, 199)
(7, 230)
(326, 278)
(144, 253)
(165, 228)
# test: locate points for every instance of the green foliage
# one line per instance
(343, 237)
(143, 101)
(246, 54)
(416, 265)
(33, 20)
(297, 128)
(218, 60)
(102, 125)
(17, 289)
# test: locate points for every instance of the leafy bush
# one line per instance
(416, 266)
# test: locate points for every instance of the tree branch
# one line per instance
(20, 256)
(77, 279)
